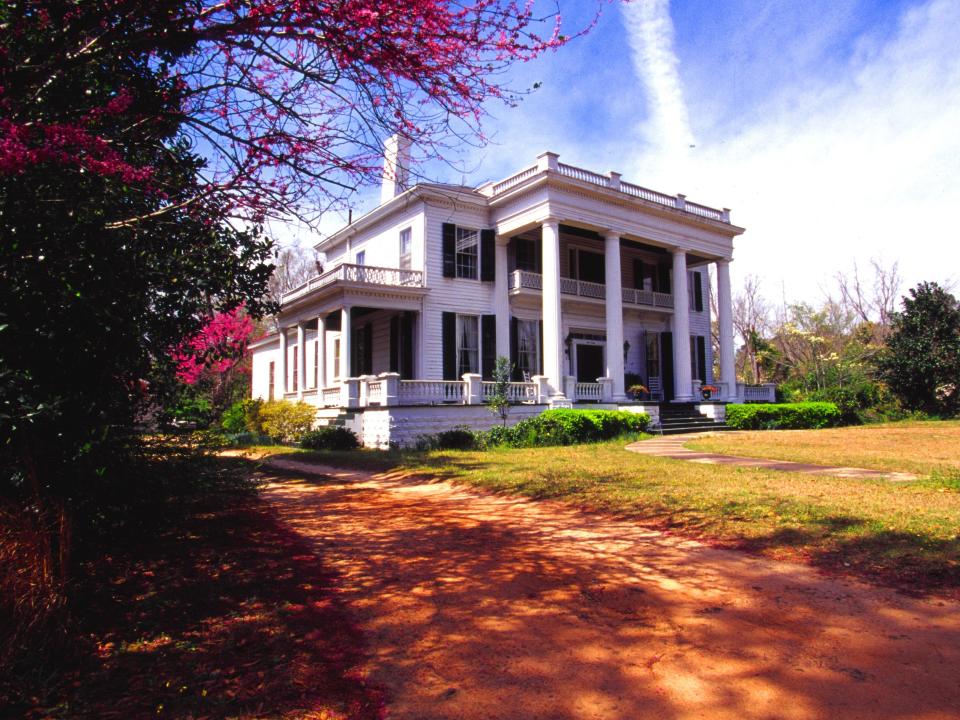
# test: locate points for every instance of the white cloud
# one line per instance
(835, 170)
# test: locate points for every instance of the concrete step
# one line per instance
(690, 429)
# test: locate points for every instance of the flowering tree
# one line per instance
(288, 100)
(217, 346)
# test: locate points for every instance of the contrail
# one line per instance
(650, 33)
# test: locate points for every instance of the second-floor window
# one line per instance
(406, 248)
(362, 257)
(466, 257)
(468, 344)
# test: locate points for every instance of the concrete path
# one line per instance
(672, 446)
(478, 606)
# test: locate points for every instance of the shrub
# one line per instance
(286, 421)
(794, 416)
(234, 419)
(458, 438)
(242, 439)
(331, 437)
(569, 427)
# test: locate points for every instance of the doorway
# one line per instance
(590, 365)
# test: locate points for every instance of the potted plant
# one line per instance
(708, 391)
(638, 392)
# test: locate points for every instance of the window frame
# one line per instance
(462, 260)
(532, 354)
(406, 258)
(469, 367)
(360, 258)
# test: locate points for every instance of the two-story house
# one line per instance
(580, 279)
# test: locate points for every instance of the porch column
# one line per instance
(682, 372)
(501, 299)
(283, 362)
(614, 314)
(321, 353)
(302, 360)
(728, 373)
(344, 343)
(552, 325)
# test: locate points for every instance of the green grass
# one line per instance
(903, 534)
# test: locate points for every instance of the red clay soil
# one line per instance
(480, 606)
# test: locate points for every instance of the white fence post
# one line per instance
(542, 388)
(350, 393)
(606, 389)
(391, 388)
(473, 390)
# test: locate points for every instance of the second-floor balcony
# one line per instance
(358, 275)
(524, 280)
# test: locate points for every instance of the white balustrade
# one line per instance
(595, 291)
(431, 392)
(589, 391)
(360, 274)
(375, 392)
(585, 175)
(517, 392)
(766, 393)
(514, 179)
(330, 396)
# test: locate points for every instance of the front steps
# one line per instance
(680, 418)
(341, 418)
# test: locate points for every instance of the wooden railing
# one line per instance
(360, 274)
(597, 291)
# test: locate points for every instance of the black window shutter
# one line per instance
(488, 345)
(514, 343)
(449, 250)
(488, 262)
(701, 357)
(697, 292)
(406, 346)
(449, 346)
(664, 280)
(368, 348)
(395, 343)
(638, 273)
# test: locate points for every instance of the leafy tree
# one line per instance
(922, 359)
(499, 402)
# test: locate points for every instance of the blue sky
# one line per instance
(831, 128)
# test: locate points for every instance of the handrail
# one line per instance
(524, 279)
(364, 274)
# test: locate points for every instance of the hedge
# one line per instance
(332, 437)
(784, 416)
(284, 420)
(568, 427)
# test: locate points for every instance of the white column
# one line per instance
(283, 362)
(728, 373)
(682, 372)
(501, 300)
(301, 360)
(614, 312)
(321, 354)
(345, 342)
(552, 342)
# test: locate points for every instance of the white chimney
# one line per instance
(396, 167)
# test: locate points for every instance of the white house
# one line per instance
(578, 278)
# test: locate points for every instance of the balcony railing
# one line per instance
(359, 274)
(596, 291)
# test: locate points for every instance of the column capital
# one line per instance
(723, 262)
(612, 232)
(678, 251)
(549, 220)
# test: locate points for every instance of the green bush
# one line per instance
(245, 438)
(792, 416)
(331, 437)
(458, 438)
(568, 427)
(286, 421)
(243, 416)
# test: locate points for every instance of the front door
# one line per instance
(666, 366)
(589, 362)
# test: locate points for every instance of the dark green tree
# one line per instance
(921, 363)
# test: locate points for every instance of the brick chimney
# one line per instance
(396, 167)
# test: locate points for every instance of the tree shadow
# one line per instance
(502, 607)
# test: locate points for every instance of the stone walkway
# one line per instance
(672, 446)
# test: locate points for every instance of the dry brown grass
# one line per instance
(917, 447)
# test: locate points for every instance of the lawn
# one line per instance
(905, 534)
(917, 447)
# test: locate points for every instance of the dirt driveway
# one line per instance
(480, 606)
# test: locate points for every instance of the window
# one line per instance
(466, 253)
(336, 358)
(272, 381)
(296, 375)
(316, 363)
(362, 257)
(405, 248)
(586, 265)
(528, 351)
(698, 358)
(468, 344)
(653, 355)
